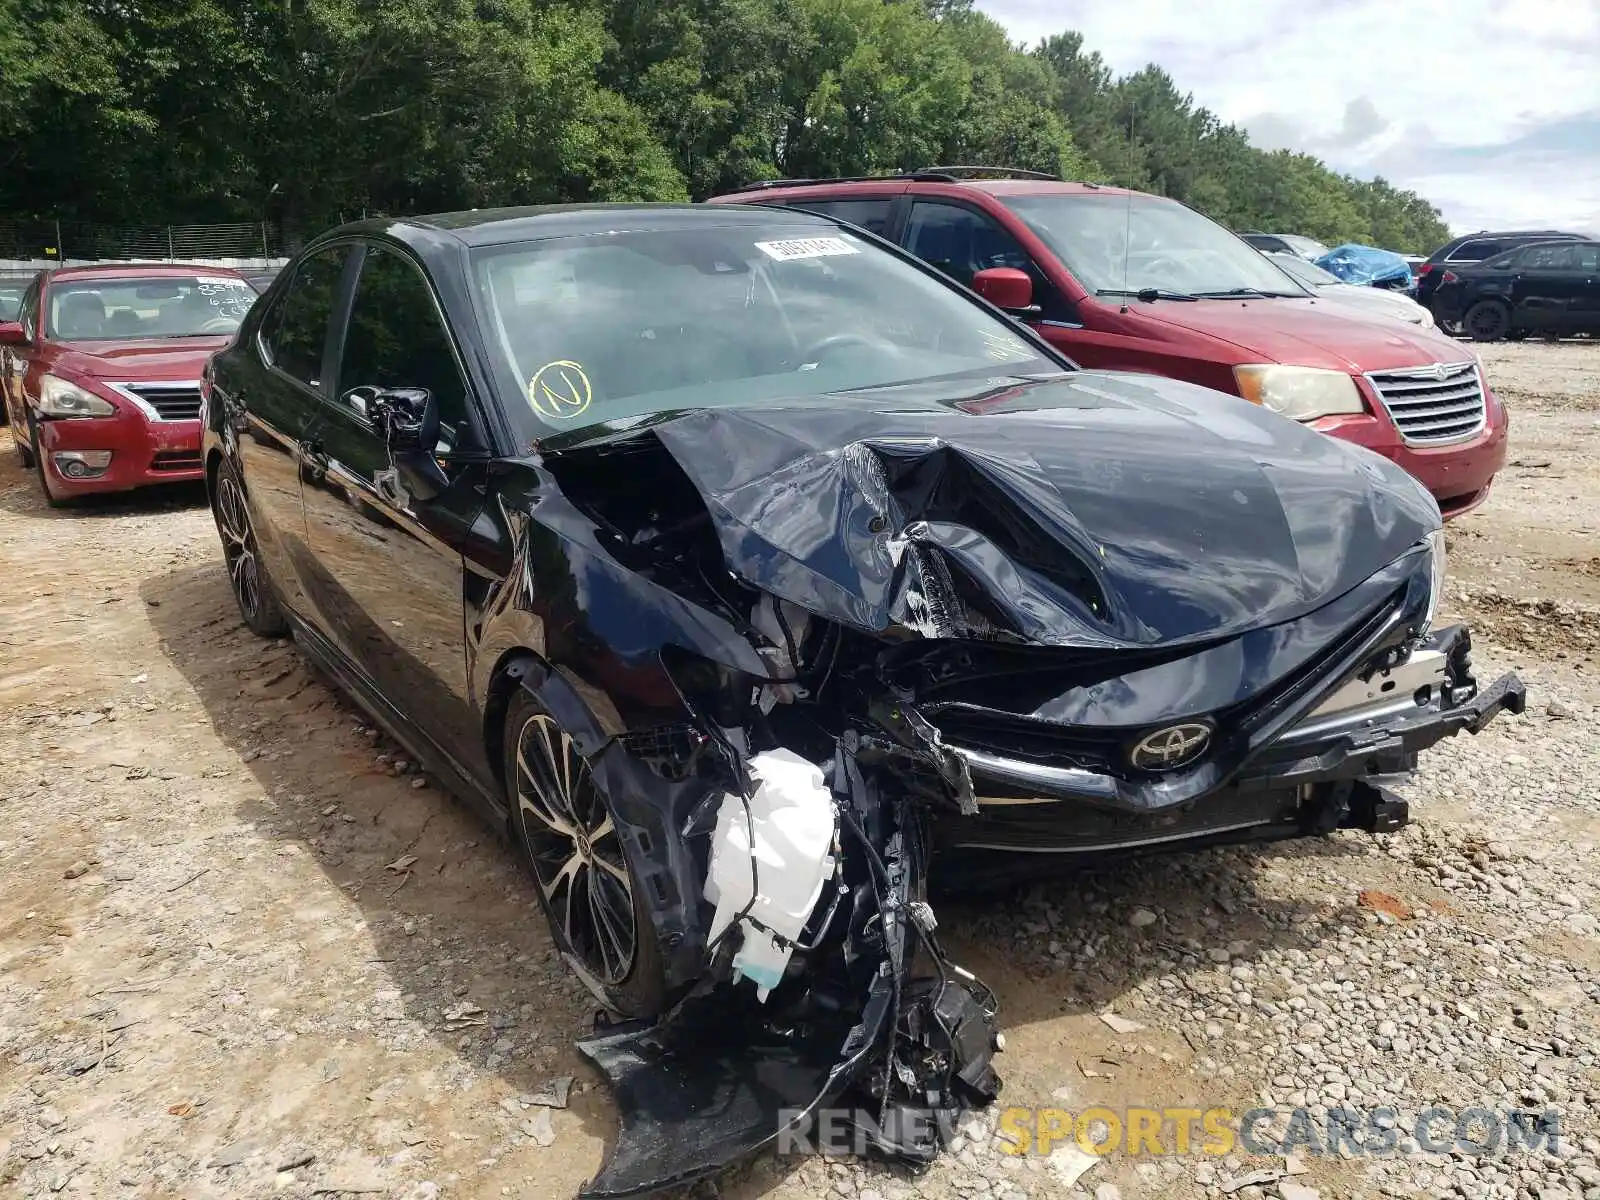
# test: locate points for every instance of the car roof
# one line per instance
(1510, 235)
(904, 183)
(497, 226)
(136, 270)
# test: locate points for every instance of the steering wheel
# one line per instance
(219, 325)
(819, 348)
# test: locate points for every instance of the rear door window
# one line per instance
(295, 333)
(1550, 258)
(871, 213)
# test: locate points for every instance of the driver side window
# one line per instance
(961, 242)
(396, 340)
(28, 314)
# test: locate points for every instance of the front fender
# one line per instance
(651, 799)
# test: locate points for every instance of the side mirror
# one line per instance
(1007, 288)
(406, 418)
(408, 421)
(11, 334)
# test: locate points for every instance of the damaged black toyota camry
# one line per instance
(743, 569)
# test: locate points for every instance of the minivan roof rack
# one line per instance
(924, 176)
(1003, 172)
(921, 175)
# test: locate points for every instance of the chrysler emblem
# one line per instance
(1170, 748)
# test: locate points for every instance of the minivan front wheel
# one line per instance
(1487, 321)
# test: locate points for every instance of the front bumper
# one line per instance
(1326, 767)
(143, 452)
(1458, 476)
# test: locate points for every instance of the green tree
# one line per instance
(156, 111)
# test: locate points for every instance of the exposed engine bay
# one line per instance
(850, 652)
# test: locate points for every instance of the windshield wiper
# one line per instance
(1245, 293)
(1148, 295)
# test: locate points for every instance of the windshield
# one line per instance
(1304, 246)
(11, 300)
(156, 306)
(1116, 245)
(610, 326)
(1307, 273)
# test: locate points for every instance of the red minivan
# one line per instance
(1124, 281)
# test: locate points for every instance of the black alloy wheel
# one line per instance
(242, 557)
(1487, 321)
(586, 887)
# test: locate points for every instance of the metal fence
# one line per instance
(48, 242)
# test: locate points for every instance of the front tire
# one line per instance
(247, 575)
(1487, 321)
(37, 455)
(587, 888)
(21, 442)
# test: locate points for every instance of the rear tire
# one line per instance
(247, 574)
(587, 889)
(1487, 321)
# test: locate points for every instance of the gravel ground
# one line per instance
(245, 950)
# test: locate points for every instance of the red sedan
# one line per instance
(102, 372)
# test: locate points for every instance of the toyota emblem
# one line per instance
(1170, 748)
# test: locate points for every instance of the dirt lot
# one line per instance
(245, 950)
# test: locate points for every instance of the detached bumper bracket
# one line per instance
(1507, 693)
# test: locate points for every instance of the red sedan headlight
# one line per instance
(62, 400)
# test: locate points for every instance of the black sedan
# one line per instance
(739, 566)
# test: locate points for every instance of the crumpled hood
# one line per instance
(1087, 510)
(1309, 333)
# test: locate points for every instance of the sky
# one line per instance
(1490, 110)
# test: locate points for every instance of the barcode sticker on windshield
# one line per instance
(806, 248)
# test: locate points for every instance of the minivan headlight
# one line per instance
(1304, 393)
(60, 399)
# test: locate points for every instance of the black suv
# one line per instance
(1543, 287)
(1473, 248)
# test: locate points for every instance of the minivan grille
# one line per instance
(1430, 405)
(174, 402)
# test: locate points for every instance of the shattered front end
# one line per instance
(847, 1001)
(835, 641)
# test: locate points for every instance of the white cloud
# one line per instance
(1441, 96)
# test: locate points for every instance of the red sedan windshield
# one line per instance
(164, 306)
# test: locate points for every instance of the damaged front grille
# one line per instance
(1072, 748)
